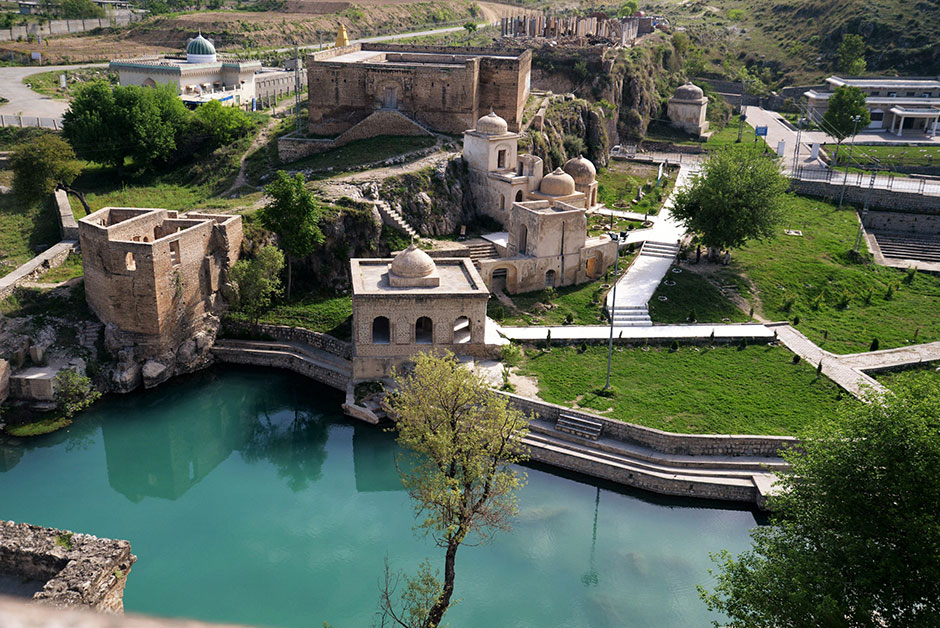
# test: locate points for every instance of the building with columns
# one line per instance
(896, 105)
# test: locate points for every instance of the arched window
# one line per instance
(462, 330)
(550, 279)
(149, 83)
(523, 239)
(519, 196)
(381, 331)
(424, 331)
(502, 202)
(129, 262)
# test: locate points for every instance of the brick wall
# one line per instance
(665, 442)
(925, 224)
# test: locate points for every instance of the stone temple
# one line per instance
(687, 108)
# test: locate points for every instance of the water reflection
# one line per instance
(374, 460)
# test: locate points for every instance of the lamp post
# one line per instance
(861, 223)
(742, 116)
(613, 306)
(845, 179)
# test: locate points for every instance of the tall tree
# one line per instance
(108, 125)
(42, 164)
(738, 196)
(845, 105)
(463, 487)
(855, 536)
(471, 28)
(258, 280)
(294, 215)
(852, 55)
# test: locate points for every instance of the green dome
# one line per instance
(200, 46)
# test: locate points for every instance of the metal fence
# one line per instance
(891, 182)
(23, 121)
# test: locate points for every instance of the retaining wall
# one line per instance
(925, 224)
(63, 27)
(323, 342)
(50, 258)
(290, 362)
(664, 442)
(67, 224)
(884, 199)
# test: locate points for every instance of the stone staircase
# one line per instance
(393, 218)
(481, 249)
(909, 246)
(631, 316)
(296, 356)
(660, 249)
(578, 426)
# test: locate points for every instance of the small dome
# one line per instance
(492, 124)
(689, 92)
(412, 263)
(558, 183)
(581, 170)
(200, 50)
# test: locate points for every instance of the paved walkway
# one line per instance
(619, 213)
(25, 101)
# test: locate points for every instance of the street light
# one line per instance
(617, 237)
(742, 116)
(845, 179)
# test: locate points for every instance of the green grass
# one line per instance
(692, 292)
(329, 314)
(584, 303)
(363, 152)
(40, 303)
(889, 156)
(729, 134)
(929, 371)
(697, 390)
(812, 274)
(69, 269)
(50, 422)
(22, 229)
(598, 223)
(47, 83)
(617, 187)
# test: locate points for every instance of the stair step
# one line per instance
(578, 426)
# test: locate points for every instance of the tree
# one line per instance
(73, 392)
(294, 215)
(739, 195)
(258, 280)
(852, 55)
(845, 104)
(628, 9)
(222, 124)
(108, 125)
(855, 536)
(465, 438)
(471, 28)
(42, 164)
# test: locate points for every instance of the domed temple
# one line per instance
(687, 108)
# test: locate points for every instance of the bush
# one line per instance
(510, 355)
(874, 345)
(222, 124)
(844, 300)
(796, 320)
(73, 392)
(909, 277)
(788, 304)
(889, 294)
(674, 346)
(691, 317)
(796, 359)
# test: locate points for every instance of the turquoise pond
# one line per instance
(248, 498)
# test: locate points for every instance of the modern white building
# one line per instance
(199, 77)
(896, 105)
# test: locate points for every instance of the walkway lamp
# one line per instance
(845, 179)
(619, 238)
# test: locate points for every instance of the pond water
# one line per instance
(249, 498)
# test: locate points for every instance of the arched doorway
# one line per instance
(381, 331)
(149, 83)
(503, 279)
(550, 279)
(424, 331)
(462, 330)
(519, 196)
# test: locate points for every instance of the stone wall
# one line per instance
(283, 360)
(924, 224)
(323, 342)
(79, 570)
(883, 199)
(4, 380)
(665, 442)
(67, 224)
(63, 27)
(50, 258)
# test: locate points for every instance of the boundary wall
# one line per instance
(65, 27)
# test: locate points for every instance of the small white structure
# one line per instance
(687, 109)
(199, 78)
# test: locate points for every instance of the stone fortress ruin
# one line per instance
(155, 278)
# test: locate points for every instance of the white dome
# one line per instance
(689, 92)
(412, 263)
(581, 170)
(558, 183)
(492, 124)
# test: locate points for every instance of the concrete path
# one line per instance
(619, 213)
(652, 333)
(25, 101)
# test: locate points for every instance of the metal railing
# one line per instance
(31, 121)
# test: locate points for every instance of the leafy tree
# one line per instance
(855, 536)
(845, 104)
(852, 55)
(628, 8)
(222, 124)
(738, 196)
(471, 28)
(108, 125)
(73, 392)
(465, 438)
(294, 215)
(42, 164)
(258, 280)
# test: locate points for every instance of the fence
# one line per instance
(911, 185)
(23, 121)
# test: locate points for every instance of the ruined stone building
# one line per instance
(442, 88)
(545, 243)
(412, 303)
(154, 278)
(687, 109)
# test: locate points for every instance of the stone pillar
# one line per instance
(901, 127)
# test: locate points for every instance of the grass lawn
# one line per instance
(617, 186)
(929, 371)
(584, 303)
(40, 303)
(841, 304)
(328, 314)
(47, 83)
(690, 293)
(598, 223)
(363, 152)
(697, 390)
(22, 229)
(69, 269)
(888, 155)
